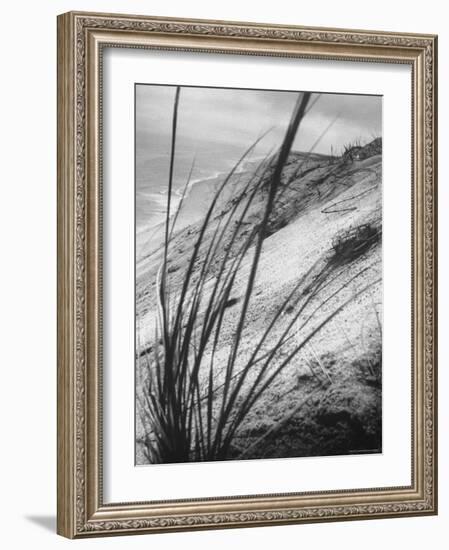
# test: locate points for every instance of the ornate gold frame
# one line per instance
(81, 37)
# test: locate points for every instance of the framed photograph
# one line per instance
(246, 274)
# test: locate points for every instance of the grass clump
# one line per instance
(351, 243)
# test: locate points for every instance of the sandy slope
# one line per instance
(328, 399)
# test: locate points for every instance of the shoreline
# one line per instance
(247, 165)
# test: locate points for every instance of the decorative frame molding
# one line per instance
(81, 37)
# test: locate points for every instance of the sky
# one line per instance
(234, 117)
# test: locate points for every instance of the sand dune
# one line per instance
(322, 199)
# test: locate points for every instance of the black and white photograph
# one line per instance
(258, 274)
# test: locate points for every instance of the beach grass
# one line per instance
(193, 416)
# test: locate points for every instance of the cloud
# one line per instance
(238, 117)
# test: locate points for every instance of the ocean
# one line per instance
(211, 160)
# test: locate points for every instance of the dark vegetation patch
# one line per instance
(231, 302)
(145, 351)
(350, 244)
(355, 151)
